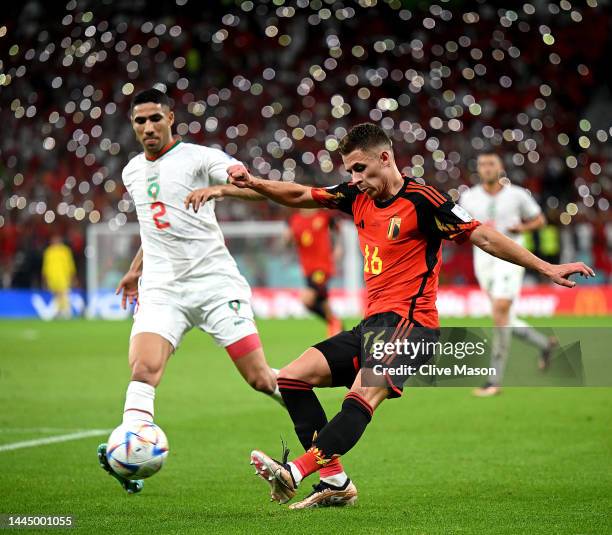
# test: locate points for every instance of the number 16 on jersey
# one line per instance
(372, 265)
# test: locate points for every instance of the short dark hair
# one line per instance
(364, 136)
(151, 95)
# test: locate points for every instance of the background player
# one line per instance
(511, 210)
(183, 276)
(401, 224)
(311, 230)
(59, 272)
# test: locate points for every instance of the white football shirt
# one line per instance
(182, 249)
(508, 207)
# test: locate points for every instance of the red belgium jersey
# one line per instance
(401, 242)
(312, 236)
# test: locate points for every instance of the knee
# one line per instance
(298, 373)
(309, 301)
(498, 320)
(289, 373)
(501, 315)
(501, 319)
(311, 367)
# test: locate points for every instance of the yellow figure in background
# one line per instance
(59, 271)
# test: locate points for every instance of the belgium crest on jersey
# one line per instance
(394, 228)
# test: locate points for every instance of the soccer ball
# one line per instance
(137, 449)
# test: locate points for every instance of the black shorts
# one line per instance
(318, 282)
(345, 351)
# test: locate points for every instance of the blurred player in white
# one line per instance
(511, 210)
(183, 275)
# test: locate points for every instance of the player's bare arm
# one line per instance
(531, 224)
(200, 196)
(128, 285)
(496, 244)
(286, 193)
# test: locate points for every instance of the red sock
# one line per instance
(311, 461)
(332, 468)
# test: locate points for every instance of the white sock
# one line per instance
(523, 330)
(276, 395)
(297, 475)
(337, 480)
(139, 400)
(500, 347)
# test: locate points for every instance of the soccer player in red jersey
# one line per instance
(401, 224)
(311, 230)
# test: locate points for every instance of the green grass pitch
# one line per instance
(533, 460)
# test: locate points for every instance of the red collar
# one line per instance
(164, 150)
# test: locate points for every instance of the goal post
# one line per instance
(267, 262)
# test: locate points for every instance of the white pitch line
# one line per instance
(40, 430)
(53, 440)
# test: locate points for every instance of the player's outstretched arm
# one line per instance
(496, 244)
(199, 196)
(286, 193)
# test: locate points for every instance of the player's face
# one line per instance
(489, 168)
(152, 124)
(369, 170)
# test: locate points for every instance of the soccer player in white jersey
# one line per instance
(511, 210)
(183, 275)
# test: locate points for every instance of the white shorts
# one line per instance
(171, 317)
(500, 279)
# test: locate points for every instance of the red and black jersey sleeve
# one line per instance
(438, 215)
(340, 197)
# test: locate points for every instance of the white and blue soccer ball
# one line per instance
(137, 449)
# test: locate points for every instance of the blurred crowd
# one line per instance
(276, 84)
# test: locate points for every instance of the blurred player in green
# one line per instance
(58, 272)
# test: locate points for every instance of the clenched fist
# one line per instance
(239, 176)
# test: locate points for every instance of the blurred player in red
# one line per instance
(311, 230)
